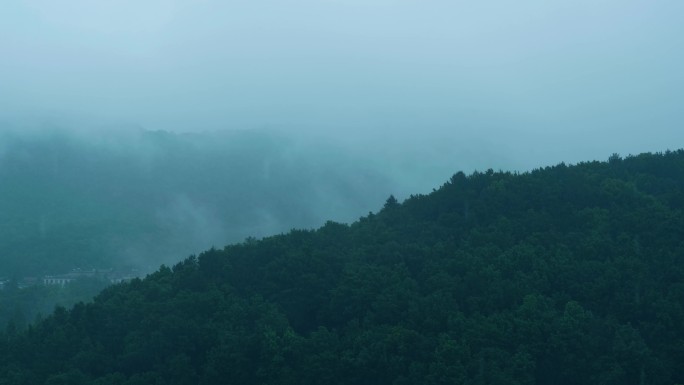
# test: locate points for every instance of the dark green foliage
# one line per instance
(564, 275)
(20, 307)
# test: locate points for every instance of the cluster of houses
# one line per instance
(109, 275)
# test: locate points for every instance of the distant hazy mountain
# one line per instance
(140, 198)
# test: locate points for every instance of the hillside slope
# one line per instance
(564, 275)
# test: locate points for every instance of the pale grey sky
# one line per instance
(535, 81)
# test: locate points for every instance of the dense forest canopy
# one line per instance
(562, 275)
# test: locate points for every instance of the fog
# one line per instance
(84, 198)
(535, 82)
(373, 97)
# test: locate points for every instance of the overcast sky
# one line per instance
(535, 81)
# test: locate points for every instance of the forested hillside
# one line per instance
(563, 275)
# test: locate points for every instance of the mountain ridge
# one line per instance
(565, 274)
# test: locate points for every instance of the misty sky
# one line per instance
(535, 82)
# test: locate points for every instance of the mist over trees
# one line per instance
(129, 199)
(263, 192)
(71, 199)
